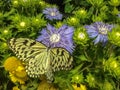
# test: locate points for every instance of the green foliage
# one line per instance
(95, 66)
(114, 36)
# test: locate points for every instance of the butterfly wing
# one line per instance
(60, 59)
(34, 54)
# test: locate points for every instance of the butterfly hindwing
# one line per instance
(60, 59)
(33, 53)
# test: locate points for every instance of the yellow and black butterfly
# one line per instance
(40, 59)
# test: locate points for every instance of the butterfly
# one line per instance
(40, 59)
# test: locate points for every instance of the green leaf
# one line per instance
(83, 58)
(67, 1)
(68, 8)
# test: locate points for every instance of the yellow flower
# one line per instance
(15, 88)
(20, 72)
(22, 87)
(15, 79)
(16, 70)
(44, 85)
(81, 87)
(11, 63)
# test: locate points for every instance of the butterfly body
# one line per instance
(38, 58)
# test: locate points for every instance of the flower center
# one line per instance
(22, 24)
(15, 2)
(118, 34)
(19, 68)
(103, 30)
(36, 20)
(55, 38)
(81, 35)
(52, 13)
(5, 31)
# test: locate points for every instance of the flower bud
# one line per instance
(73, 21)
(81, 13)
(78, 78)
(80, 36)
(114, 3)
(114, 36)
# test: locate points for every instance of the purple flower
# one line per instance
(52, 13)
(119, 15)
(57, 38)
(99, 31)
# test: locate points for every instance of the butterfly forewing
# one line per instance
(33, 53)
(60, 59)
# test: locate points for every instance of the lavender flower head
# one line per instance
(57, 38)
(119, 15)
(52, 13)
(99, 31)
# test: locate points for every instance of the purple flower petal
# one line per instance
(52, 13)
(119, 15)
(99, 31)
(97, 39)
(57, 38)
(93, 35)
